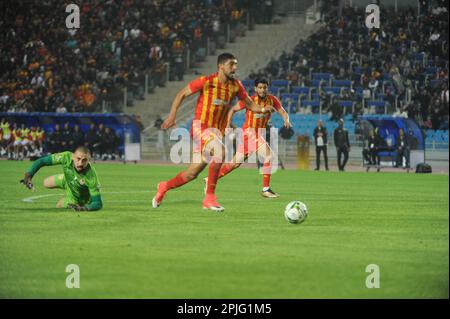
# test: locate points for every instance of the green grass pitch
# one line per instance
(397, 221)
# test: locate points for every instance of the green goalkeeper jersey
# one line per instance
(84, 186)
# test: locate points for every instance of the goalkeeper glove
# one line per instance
(77, 207)
(27, 181)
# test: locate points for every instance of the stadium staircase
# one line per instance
(253, 52)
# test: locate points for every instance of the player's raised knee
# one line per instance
(49, 182)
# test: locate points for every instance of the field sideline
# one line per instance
(398, 221)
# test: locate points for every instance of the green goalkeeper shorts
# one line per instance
(60, 182)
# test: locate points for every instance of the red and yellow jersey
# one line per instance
(259, 120)
(25, 134)
(33, 136)
(214, 101)
(40, 135)
(16, 135)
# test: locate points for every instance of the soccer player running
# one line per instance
(216, 90)
(251, 140)
(79, 179)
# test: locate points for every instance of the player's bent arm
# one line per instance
(234, 109)
(251, 105)
(181, 95)
(43, 161)
(95, 204)
(285, 117)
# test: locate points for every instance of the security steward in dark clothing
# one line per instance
(342, 143)
(320, 140)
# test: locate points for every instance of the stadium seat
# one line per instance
(381, 96)
(316, 83)
(274, 90)
(332, 90)
(300, 90)
(431, 70)
(346, 104)
(289, 99)
(379, 105)
(283, 85)
(314, 104)
(342, 83)
(248, 83)
(322, 76)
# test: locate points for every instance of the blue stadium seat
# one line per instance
(289, 98)
(300, 90)
(419, 56)
(342, 83)
(346, 104)
(314, 104)
(379, 105)
(315, 96)
(435, 83)
(316, 83)
(248, 83)
(332, 90)
(274, 90)
(358, 70)
(431, 70)
(322, 76)
(280, 83)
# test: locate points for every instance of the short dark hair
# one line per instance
(262, 80)
(83, 149)
(224, 57)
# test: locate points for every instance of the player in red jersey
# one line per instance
(251, 141)
(216, 90)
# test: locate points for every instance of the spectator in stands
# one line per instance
(116, 41)
(342, 143)
(400, 113)
(320, 140)
(67, 142)
(92, 141)
(55, 140)
(373, 86)
(77, 137)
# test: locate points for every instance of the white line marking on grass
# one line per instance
(32, 198)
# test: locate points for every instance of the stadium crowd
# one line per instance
(17, 141)
(46, 67)
(404, 64)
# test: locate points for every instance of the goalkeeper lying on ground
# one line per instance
(79, 179)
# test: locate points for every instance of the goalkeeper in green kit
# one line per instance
(79, 180)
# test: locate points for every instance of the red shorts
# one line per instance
(250, 143)
(201, 138)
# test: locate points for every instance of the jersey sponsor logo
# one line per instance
(259, 116)
(218, 102)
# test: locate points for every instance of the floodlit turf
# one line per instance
(397, 221)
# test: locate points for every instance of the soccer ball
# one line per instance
(296, 212)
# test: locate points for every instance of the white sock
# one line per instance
(265, 189)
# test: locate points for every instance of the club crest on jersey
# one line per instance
(81, 181)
